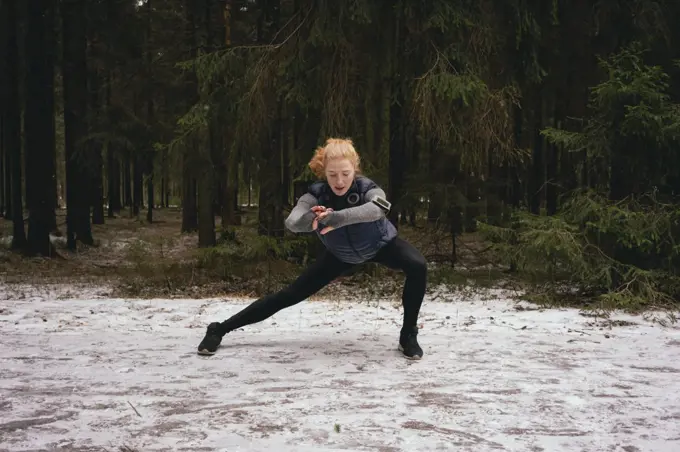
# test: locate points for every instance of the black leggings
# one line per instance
(398, 254)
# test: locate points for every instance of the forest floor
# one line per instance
(135, 258)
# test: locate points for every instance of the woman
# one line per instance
(348, 213)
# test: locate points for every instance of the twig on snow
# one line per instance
(133, 407)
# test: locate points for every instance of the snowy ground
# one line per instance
(108, 374)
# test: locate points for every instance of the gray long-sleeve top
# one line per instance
(301, 217)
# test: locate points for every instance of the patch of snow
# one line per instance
(94, 374)
(56, 240)
(46, 292)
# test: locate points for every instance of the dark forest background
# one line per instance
(525, 140)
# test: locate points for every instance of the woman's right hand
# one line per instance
(320, 209)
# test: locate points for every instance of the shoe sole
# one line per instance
(413, 358)
(205, 352)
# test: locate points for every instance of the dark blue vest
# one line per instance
(359, 242)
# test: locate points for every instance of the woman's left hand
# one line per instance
(321, 216)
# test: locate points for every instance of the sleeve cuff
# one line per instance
(334, 220)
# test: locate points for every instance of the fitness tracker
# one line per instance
(384, 204)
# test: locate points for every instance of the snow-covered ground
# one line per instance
(96, 374)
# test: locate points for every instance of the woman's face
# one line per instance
(340, 175)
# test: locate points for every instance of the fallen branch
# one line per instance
(133, 407)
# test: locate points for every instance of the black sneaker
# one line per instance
(408, 344)
(212, 340)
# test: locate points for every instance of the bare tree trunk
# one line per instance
(12, 121)
(396, 127)
(165, 183)
(78, 185)
(127, 183)
(3, 177)
(206, 220)
(229, 181)
(113, 179)
(95, 151)
(552, 157)
(189, 201)
(270, 218)
(189, 195)
(112, 164)
(270, 202)
(436, 205)
(150, 194)
(537, 178)
(415, 164)
(285, 161)
(206, 179)
(39, 127)
(149, 116)
(4, 87)
(137, 184)
(164, 179)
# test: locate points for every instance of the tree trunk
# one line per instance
(494, 185)
(127, 183)
(229, 181)
(396, 126)
(149, 193)
(38, 127)
(74, 72)
(137, 182)
(537, 178)
(165, 182)
(112, 164)
(3, 177)
(113, 181)
(455, 214)
(270, 218)
(12, 121)
(189, 206)
(552, 158)
(270, 202)
(149, 116)
(95, 149)
(95, 166)
(285, 162)
(250, 189)
(206, 180)
(436, 196)
(473, 193)
(206, 219)
(513, 172)
(415, 165)
(50, 59)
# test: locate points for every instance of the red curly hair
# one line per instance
(335, 148)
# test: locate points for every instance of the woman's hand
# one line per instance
(321, 213)
(319, 209)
